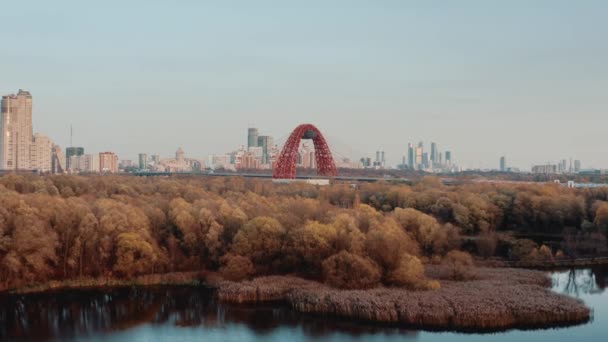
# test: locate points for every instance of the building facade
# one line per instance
(143, 161)
(41, 153)
(266, 143)
(16, 131)
(84, 163)
(108, 162)
(410, 156)
(544, 169)
(252, 137)
(71, 152)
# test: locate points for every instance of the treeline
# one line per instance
(66, 227)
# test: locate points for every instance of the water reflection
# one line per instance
(81, 313)
(577, 282)
(192, 313)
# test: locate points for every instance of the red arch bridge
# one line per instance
(285, 166)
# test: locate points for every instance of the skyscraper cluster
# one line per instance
(21, 149)
(431, 161)
(563, 167)
(259, 153)
(260, 145)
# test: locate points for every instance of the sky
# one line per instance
(524, 79)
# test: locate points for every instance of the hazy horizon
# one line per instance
(481, 79)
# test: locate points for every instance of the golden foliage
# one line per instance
(236, 267)
(349, 271)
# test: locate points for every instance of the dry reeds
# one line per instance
(496, 299)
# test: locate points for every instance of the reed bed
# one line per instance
(174, 278)
(497, 299)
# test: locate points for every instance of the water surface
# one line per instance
(193, 314)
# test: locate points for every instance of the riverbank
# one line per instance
(494, 299)
(545, 265)
(175, 278)
(497, 299)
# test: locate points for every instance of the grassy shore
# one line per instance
(497, 299)
(176, 278)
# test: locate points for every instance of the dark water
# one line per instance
(192, 314)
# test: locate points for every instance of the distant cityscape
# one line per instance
(22, 149)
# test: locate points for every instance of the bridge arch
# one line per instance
(285, 165)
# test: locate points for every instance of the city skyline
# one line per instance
(531, 87)
(38, 152)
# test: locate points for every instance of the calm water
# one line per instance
(192, 314)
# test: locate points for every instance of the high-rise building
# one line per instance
(503, 164)
(380, 158)
(448, 158)
(265, 142)
(41, 152)
(71, 152)
(562, 167)
(433, 153)
(155, 158)
(410, 156)
(419, 157)
(143, 161)
(108, 162)
(425, 160)
(252, 137)
(577, 165)
(180, 156)
(16, 131)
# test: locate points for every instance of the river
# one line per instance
(192, 314)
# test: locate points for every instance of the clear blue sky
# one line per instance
(527, 79)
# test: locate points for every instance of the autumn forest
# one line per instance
(70, 227)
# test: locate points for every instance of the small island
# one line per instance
(498, 299)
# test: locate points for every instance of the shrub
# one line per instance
(426, 229)
(410, 273)
(522, 249)
(460, 265)
(349, 271)
(542, 254)
(387, 241)
(306, 247)
(236, 267)
(261, 239)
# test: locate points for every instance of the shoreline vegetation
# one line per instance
(377, 251)
(496, 299)
(176, 278)
(492, 299)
